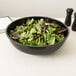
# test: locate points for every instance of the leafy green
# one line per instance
(41, 21)
(37, 33)
(54, 25)
(52, 41)
(29, 22)
(33, 30)
(38, 27)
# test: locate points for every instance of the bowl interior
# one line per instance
(23, 20)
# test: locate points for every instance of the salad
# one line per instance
(38, 33)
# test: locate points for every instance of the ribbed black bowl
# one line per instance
(38, 50)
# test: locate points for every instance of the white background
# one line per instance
(52, 8)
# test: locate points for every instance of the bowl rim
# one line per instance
(33, 17)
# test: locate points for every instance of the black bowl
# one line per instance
(38, 50)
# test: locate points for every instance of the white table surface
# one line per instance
(16, 63)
